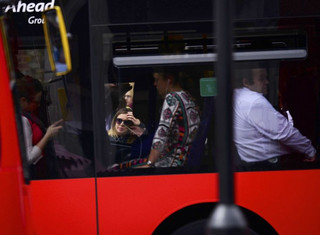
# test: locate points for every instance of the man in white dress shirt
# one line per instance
(262, 134)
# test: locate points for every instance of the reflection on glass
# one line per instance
(59, 59)
(55, 41)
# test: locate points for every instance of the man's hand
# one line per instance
(310, 159)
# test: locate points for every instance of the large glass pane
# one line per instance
(55, 111)
(171, 67)
(276, 123)
(159, 118)
(146, 42)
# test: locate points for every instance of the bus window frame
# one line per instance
(21, 141)
(64, 41)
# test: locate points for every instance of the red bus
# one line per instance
(87, 186)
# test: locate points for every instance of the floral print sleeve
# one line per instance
(170, 106)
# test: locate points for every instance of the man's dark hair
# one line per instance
(174, 72)
(243, 70)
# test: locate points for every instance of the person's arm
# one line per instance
(275, 126)
(161, 136)
(139, 128)
(153, 158)
(33, 152)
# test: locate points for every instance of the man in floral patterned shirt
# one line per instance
(178, 124)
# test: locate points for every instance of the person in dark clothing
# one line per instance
(125, 129)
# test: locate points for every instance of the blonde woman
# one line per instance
(125, 129)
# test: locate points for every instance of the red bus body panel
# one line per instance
(282, 198)
(139, 204)
(288, 200)
(64, 206)
(15, 215)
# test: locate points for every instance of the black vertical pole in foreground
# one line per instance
(226, 217)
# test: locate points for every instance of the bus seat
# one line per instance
(198, 145)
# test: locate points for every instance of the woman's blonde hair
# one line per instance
(112, 132)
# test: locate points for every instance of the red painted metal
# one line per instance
(14, 213)
(139, 204)
(288, 200)
(64, 206)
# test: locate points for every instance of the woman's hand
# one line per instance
(54, 128)
(135, 121)
(51, 131)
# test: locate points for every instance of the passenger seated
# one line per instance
(125, 129)
(262, 134)
(113, 92)
(126, 101)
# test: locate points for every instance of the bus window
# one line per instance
(138, 52)
(148, 102)
(69, 153)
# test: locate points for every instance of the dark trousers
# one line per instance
(285, 162)
(259, 166)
